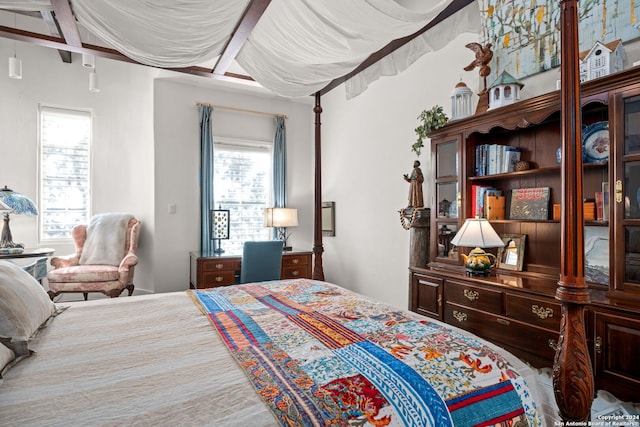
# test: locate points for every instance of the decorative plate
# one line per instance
(595, 143)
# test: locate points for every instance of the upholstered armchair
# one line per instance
(104, 260)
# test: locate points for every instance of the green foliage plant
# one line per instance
(430, 120)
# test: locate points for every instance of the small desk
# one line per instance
(38, 268)
(212, 270)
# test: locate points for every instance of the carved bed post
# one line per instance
(318, 271)
(572, 372)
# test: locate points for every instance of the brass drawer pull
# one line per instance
(471, 295)
(542, 312)
(460, 317)
(598, 345)
(503, 321)
(553, 344)
(295, 261)
(219, 278)
(219, 266)
(294, 273)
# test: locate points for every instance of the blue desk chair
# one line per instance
(261, 261)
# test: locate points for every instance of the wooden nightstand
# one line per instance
(212, 270)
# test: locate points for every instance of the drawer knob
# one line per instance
(219, 266)
(219, 278)
(471, 295)
(553, 344)
(295, 261)
(542, 312)
(294, 273)
(503, 321)
(460, 316)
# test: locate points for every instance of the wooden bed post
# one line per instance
(572, 372)
(318, 272)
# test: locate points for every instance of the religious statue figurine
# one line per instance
(415, 180)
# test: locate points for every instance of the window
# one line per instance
(65, 165)
(243, 184)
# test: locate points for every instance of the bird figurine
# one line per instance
(483, 57)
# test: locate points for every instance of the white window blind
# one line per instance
(243, 184)
(65, 167)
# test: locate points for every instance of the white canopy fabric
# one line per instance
(296, 48)
(162, 33)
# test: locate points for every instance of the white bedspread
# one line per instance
(164, 365)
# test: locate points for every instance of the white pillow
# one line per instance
(24, 306)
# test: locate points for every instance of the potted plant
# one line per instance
(430, 120)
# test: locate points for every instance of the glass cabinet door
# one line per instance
(447, 179)
(625, 194)
(446, 207)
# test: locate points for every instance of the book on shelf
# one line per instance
(530, 203)
(493, 159)
(599, 205)
(495, 206)
(605, 201)
(510, 158)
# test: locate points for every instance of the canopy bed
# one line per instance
(324, 48)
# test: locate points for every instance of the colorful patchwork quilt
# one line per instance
(318, 354)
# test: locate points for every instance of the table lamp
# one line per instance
(221, 227)
(12, 202)
(478, 233)
(281, 218)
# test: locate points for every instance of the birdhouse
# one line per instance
(461, 101)
(602, 59)
(504, 91)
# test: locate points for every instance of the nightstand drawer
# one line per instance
(295, 260)
(474, 297)
(211, 279)
(294, 272)
(220, 264)
(545, 314)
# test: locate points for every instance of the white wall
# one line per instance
(123, 161)
(145, 150)
(366, 150)
(177, 154)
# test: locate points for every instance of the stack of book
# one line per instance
(487, 202)
(492, 159)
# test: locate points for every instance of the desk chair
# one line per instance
(261, 261)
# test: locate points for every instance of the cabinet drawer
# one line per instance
(294, 260)
(474, 297)
(295, 272)
(211, 279)
(539, 312)
(503, 331)
(220, 264)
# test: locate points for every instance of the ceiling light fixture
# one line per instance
(15, 64)
(93, 81)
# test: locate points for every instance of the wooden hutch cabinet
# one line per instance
(517, 309)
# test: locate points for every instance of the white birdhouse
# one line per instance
(461, 102)
(602, 59)
(504, 91)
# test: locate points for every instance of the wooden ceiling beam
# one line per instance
(104, 52)
(67, 22)
(54, 30)
(250, 18)
(453, 7)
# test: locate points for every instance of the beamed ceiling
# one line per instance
(64, 35)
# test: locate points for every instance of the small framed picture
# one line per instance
(511, 256)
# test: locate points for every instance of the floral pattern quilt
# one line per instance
(318, 354)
